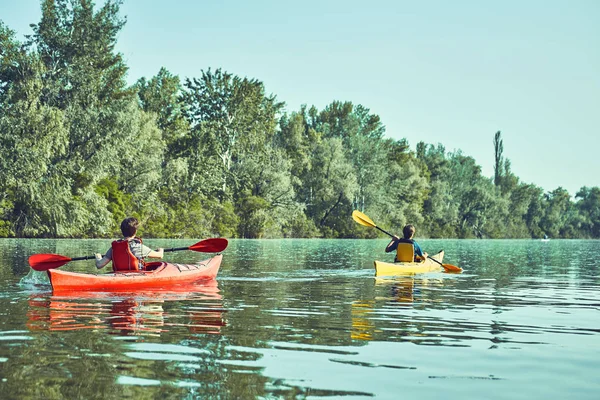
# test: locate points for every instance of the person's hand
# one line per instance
(395, 238)
(98, 256)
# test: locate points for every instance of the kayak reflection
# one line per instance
(399, 292)
(197, 308)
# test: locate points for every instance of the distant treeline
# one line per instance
(80, 150)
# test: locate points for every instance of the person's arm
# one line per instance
(392, 245)
(420, 253)
(101, 261)
(156, 253)
(148, 252)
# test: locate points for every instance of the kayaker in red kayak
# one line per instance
(409, 232)
(127, 254)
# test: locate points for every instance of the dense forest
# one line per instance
(214, 155)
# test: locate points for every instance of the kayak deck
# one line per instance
(408, 268)
(157, 275)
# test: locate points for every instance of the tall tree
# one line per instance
(332, 185)
(77, 46)
(556, 204)
(231, 117)
(162, 95)
(82, 123)
(31, 136)
(295, 137)
(400, 197)
(498, 159)
(361, 133)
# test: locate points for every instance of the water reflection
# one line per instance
(398, 292)
(197, 308)
(400, 289)
(303, 322)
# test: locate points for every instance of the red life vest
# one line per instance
(122, 257)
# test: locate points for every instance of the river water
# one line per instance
(298, 319)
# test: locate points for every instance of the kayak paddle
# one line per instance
(44, 262)
(362, 219)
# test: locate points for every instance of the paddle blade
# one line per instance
(451, 268)
(213, 245)
(362, 219)
(44, 262)
(447, 267)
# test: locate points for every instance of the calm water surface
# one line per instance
(307, 319)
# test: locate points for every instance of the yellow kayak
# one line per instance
(400, 268)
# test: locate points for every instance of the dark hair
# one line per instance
(129, 226)
(408, 231)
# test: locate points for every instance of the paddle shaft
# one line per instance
(384, 231)
(433, 259)
(175, 249)
(83, 258)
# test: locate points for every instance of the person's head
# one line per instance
(408, 231)
(129, 226)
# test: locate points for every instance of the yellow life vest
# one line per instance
(405, 252)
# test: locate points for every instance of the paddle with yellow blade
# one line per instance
(366, 221)
(44, 262)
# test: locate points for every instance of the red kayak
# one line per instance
(156, 275)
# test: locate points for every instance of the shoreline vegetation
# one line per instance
(214, 155)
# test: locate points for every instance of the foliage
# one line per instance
(588, 205)
(216, 155)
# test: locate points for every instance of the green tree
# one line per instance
(556, 204)
(230, 117)
(535, 210)
(162, 95)
(498, 158)
(77, 46)
(588, 204)
(232, 149)
(440, 208)
(332, 187)
(525, 211)
(477, 212)
(32, 134)
(295, 137)
(401, 196)
(71, 122)
(361, 133)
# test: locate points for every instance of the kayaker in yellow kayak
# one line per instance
(408, 232)
(128, 254)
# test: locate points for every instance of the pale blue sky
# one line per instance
(450, 72)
